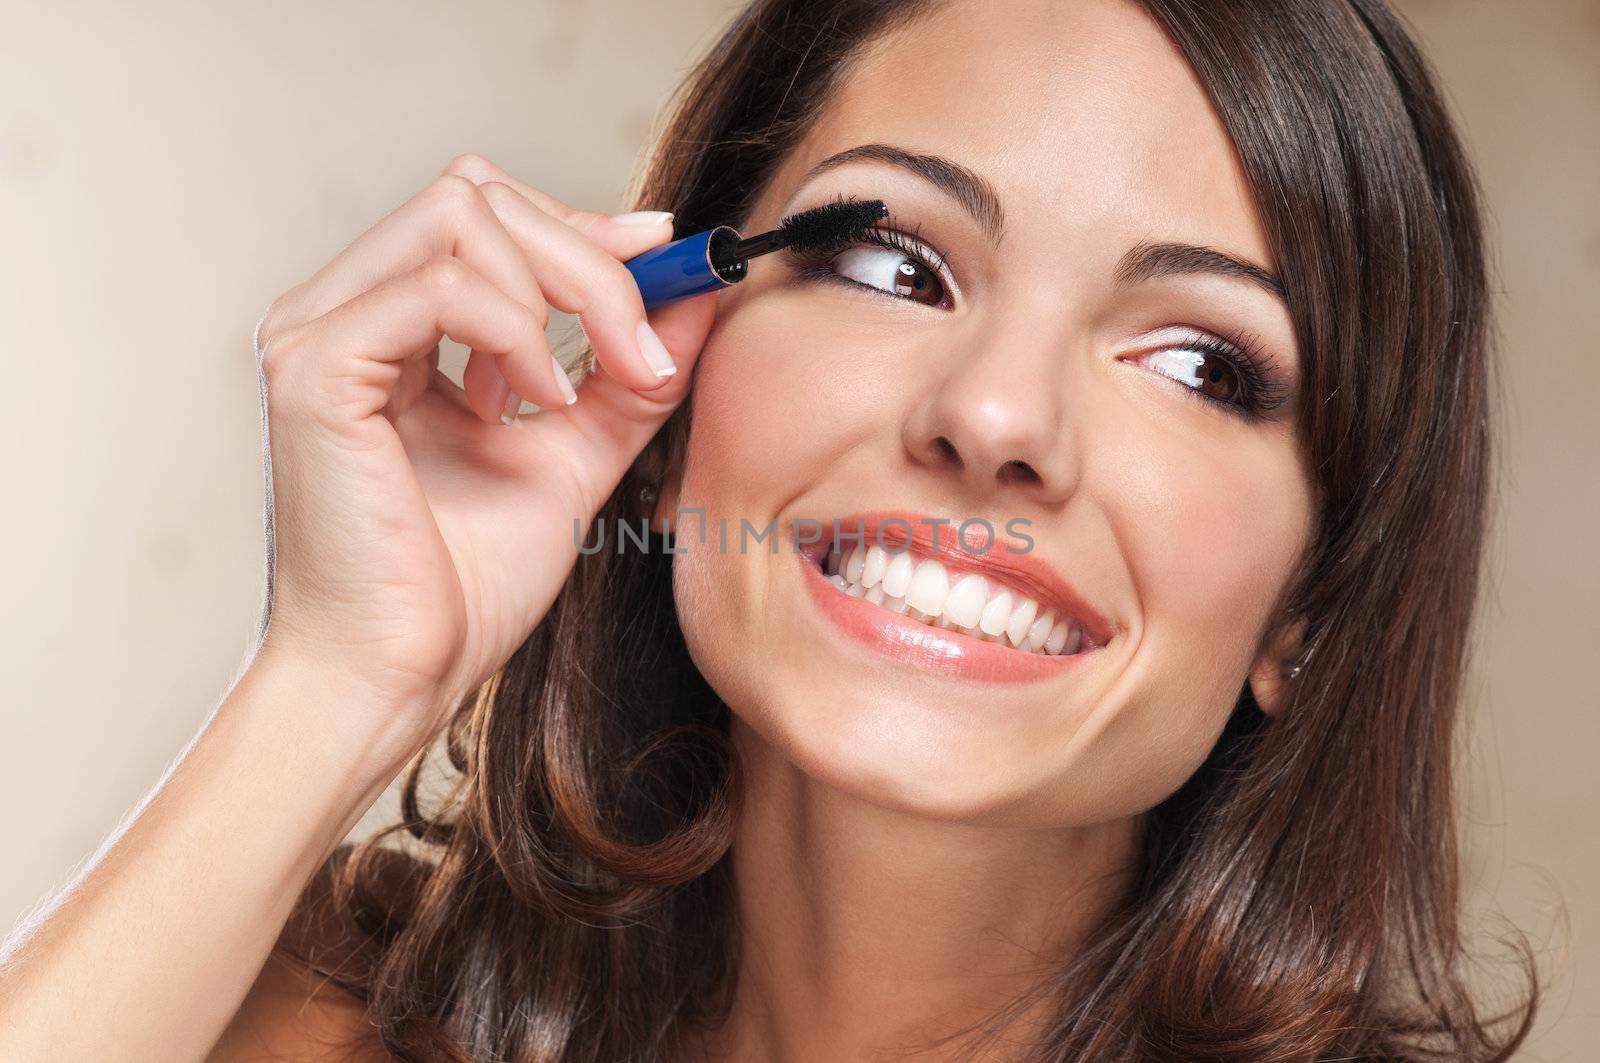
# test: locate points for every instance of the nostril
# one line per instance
(947, 451)
(1017, 472)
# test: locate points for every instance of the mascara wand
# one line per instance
(719, 257)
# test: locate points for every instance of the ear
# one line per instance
(1268, 682)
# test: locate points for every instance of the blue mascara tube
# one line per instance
(700, 263)
(720, 257)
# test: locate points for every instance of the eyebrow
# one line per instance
(975, 194)
(1145, 262)
(1148, 261)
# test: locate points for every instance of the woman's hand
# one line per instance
(419, 539)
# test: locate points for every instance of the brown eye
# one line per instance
(1209, 374)
(890, 270)
(1225, 375)
(915, 281)
(1217, 378)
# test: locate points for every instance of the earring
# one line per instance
(647, 498)
(1292, 674)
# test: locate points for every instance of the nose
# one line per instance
(996, 421)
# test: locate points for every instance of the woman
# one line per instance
(1185, 301)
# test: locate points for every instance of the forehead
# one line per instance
(1082, 114)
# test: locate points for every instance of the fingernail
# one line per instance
(654, 351)
(513, 406)
(563, 383)
(643, 217)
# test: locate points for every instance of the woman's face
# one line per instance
(1056, 352)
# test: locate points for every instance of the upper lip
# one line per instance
(1026, 572)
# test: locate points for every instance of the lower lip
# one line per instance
(929, 648)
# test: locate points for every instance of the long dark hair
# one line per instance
(569, 898)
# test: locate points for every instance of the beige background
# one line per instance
(165, 172)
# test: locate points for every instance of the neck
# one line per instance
(899, 930)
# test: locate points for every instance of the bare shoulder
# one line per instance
(292, 1014)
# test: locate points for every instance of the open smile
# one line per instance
(981, 616)
(923, 589)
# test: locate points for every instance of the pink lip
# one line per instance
(1001, 561)
(939, 650)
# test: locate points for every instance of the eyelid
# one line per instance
(1267, 389)
(936, 258)
(915, 243)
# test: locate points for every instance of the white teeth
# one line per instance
(995, 614)
(854, 562)
(897, 577)
(929, 586)
(1020, 621)
(876, 565)
(1058, 637)
(964, 604)
(922, 591)
(1040, 630)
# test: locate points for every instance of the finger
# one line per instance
(614, 422)
(439, 220)
(449, 389)
(355, 351)
(579, 277)
(449, 217)
(413, 381)
(486, 386)
(636, 232)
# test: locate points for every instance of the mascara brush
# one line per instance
(719, 256)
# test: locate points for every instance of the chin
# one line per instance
(880, 728)
(889, 751)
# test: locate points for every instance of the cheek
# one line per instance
(781, 392)
(760, 434)
(1209, 534)
(744, 406)
(1212, 549)
(1207, 545)
(1211, 516)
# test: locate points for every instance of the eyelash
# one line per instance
(906, 240)
(1263, 389)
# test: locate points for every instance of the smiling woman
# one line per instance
(1113, 717)
(1207, 315)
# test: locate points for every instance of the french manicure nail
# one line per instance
(513, 406)
(654, 351)
(563, 383)
(643, 217)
